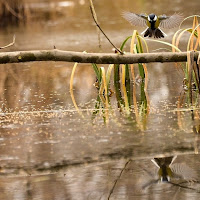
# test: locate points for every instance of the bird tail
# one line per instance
(157, 33)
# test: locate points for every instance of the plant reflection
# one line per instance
(125, 92)
(196, 130)
(169, 172)
(127, 102)
(188, 107)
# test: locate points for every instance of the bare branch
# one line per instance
(103, 32)
(98, 58)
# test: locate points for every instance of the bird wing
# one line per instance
(135, 19)
(170, 21)
(181, 170)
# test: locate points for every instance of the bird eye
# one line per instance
(155, 18)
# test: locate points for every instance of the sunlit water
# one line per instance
(52, 150)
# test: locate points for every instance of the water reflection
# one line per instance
(173, 176)
(123, 179)
(125, 97)
(167, 170)
(41, 115)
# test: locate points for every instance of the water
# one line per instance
(49, 150)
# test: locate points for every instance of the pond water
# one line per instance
(60, 145)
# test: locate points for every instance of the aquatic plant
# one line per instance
(125, 92)
(191, 69)
(125, 78)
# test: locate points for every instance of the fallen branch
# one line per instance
(98, 58)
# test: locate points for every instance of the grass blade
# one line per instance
(108, 74)
(123, 44)
(124, 89)
(191, 38)
(71, 89)
(166, 43)
(97, 72)
(187, 19)
(103, 87)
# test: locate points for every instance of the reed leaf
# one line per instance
(127, 109)
(124, 42)
(166, 43)
(132, 47)
(144, 41)
(139, 45)
(180, 35)
(196, 76)
(117, 85)
(97, 107)
(103, 87)
(72, 76)
(191, 38)
(174, 40)
(192, 35)
(133, 41)
(187, 19)
(71, 90)
(97, 72)
(123, 74)
(190, 63)
(108, 74)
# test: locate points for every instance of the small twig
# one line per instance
(115, 183)
(95, 16)
(182, 186)
(104, 33)
(12, 43)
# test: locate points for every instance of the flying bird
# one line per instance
(153, 22)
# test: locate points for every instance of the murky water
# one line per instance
(51, 150)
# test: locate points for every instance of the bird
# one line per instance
(153, 22)
(168, 172)
(167, 169)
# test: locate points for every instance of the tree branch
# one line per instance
(98, 58)
(94, 18)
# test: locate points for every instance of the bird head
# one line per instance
(152, 18)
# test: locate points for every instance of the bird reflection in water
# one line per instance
(170, 172)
